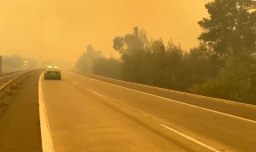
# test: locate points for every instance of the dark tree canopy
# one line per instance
(231, 26)
(222, 65)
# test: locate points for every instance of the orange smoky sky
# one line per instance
(61, 29)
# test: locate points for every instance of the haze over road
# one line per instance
(84, 114)
(44, 29)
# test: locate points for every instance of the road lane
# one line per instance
(234, 108)
(217, 130)
(80, 120)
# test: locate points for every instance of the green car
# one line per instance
(52, 73)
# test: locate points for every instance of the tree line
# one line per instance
(223, 65)
(16, 61)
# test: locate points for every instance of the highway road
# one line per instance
(19, 117)
(85, 114)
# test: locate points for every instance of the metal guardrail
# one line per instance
(6, 75)
(11, 73)
(5, 89)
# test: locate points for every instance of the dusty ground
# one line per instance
(19, 118)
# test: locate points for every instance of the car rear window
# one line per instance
(52, 69)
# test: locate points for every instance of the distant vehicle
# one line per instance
(52, 73)
(25, 64)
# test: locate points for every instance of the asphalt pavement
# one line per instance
(19, 117)
(82, 121)
(87, 115)
(230, 107)
(80, 117)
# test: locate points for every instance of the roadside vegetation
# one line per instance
(223, 65)
(16, 61)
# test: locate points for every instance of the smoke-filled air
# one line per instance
(191, 46)
(60, 30)
(128, 75)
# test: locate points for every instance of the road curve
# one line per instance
(86, 114)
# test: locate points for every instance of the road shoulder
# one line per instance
(19, 118)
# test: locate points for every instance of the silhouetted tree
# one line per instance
(231, 27)
(108, 67)
(13, 61)
(221, 66)
(85, 61)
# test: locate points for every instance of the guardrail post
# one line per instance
(6, 88)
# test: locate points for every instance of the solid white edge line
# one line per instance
(190, 94)
(47, 144)
(213, 111)
(190, 138)
(96, 93)
(173, 130)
